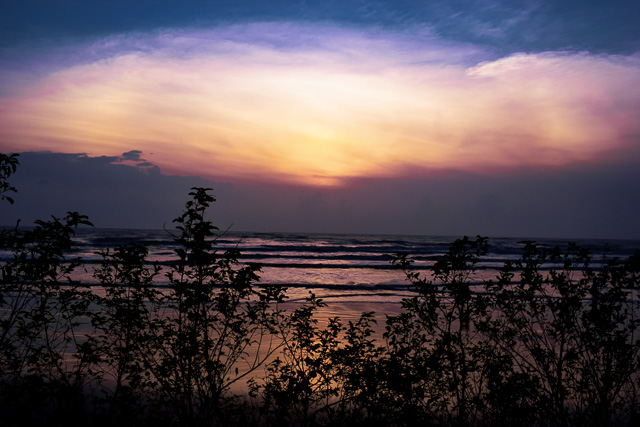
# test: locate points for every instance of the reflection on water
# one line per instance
(342, 267)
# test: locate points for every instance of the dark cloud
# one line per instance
(132, 155)
(111, 194)
(566, 204)
(134, 158)
(589, 202)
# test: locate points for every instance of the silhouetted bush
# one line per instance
(8, 166)
(552, 340)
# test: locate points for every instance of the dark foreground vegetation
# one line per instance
(552, 340)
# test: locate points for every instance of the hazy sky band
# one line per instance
(321, 104)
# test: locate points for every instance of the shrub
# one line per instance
(552, 340)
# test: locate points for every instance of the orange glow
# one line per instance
(318, 118)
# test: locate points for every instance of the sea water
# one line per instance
(346, 268)
(351, 273)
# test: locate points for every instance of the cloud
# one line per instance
(132, 155)
(111, 193)
(134, 158)
(585, 202)
(323, 105)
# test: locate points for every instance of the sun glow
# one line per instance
(320, 114)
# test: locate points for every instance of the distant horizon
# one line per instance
(464, 204)
(376, 117)
(448, 237)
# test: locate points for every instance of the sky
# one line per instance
(490, 117)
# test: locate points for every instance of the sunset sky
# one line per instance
(491, 117)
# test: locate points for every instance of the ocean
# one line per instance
(351, 273)
(336, 267)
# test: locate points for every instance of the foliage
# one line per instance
(121, 325)
(433, 346)
(552, 340)
(8, 166)
(572, 332)
(212, 329)
(42, 308)
(323, 374)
